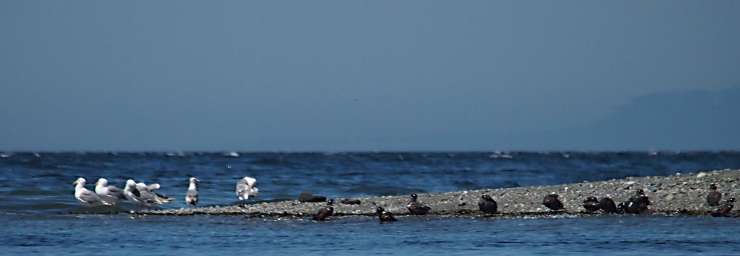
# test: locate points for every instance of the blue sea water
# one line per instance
(41, 216)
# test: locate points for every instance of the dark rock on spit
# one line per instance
(307, 197)
(351, 201)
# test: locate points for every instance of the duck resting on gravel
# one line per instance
(725, 209)
(325, 211)
(552, 202)
(591, 204)
(384, 216)
(606, 205)
(417, 208)
(486, 204)
(714, 196)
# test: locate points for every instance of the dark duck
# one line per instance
(384, 216)
(486, 204)
(591, 204)
(417, 208)
(638, 203)
(714, 196)
(607, 205)
(725, 209)
(325, 211)
(552, 202)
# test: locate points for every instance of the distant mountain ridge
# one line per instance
(697, 119)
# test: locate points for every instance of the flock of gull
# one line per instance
(139, 193)
(142, 194)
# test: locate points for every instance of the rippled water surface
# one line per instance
(37, 204)
(196, 235)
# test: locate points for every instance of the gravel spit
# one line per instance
(670, 195)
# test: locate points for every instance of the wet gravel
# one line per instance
(676, 194)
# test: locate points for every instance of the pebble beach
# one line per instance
(676, 194)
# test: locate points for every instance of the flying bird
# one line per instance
(245, 187)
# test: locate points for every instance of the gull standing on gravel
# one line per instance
(245, 187)
(150, 197)
(85, 196)
(131, 192)
(109, 194)
(191, 197)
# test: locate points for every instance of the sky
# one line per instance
(366, 75)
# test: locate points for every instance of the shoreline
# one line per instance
(682, 194)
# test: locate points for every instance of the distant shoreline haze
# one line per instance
(331, 76)
(704, 120)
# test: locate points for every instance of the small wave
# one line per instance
(327, 183)
(42, 206)
(351, 173)
(98, 210)
(466, 184)
(383, 190)
(270, 161)
(427, 242)
(285, 182)
(24, 192)
(49, 175)
(231, 154)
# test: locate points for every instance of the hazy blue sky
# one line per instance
(359, 75)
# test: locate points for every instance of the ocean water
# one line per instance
(41, 216)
